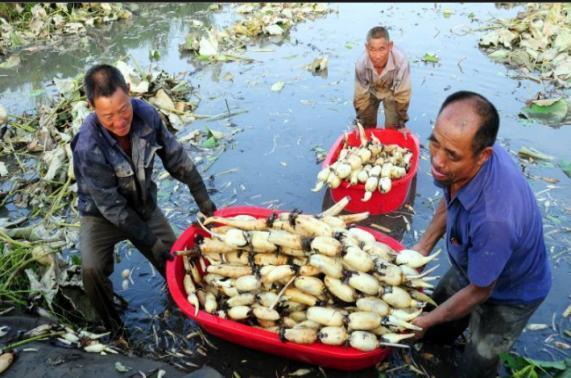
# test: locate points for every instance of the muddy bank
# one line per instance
(46, 359)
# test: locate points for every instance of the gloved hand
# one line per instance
(202, 199)
(207, 207)
(161, 252)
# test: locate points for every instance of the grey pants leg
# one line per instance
(391, 115)
(367, 109)
(97, 240)
(493, 328)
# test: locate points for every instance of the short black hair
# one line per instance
(378, 32)
(489, 119)
(103, 80)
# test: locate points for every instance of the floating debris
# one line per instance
(534, 154)
(278, 86)
(537, 40)
(318, 65)
(320, 153)
(260, 19)
(27, 23)
(447, 12)
(299, 373)
(121, 368)
(536, 327)
(11, 62)
(565, 166)
(561, 345)
(430, 58)
(551, 111)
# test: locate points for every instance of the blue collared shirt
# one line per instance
(494, 232)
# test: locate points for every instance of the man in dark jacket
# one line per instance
(113, 156)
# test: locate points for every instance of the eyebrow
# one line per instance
(451, 152)
(432, 138)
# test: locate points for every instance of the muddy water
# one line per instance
(273, 150)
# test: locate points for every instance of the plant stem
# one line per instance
(9, 240)
(31, 339)
(16, 271)
(58, 198)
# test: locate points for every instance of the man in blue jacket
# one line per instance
(500, 270)
(113, 156)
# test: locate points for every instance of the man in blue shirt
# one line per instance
(113, 156)
(500, 270)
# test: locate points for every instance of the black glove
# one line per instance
(205, 204)
(207, 207)
(161, 252)
(200, 194)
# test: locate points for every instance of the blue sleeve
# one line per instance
(174, 157)
(490, 250)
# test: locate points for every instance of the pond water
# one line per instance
(271, 159)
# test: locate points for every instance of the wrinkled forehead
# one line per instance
(118, 99)
(378, 42)
(458, 121)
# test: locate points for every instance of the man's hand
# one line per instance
(161, 252)
(419, 248)
(423, 323)
(405, 131)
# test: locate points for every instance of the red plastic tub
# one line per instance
(336, 357)
(380, 203)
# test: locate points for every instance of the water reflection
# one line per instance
(394, 224)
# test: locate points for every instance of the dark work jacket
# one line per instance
(120, 188)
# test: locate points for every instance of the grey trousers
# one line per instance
(368, 115)
(97, 239)
(494, 328)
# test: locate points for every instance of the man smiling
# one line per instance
(113, 156)
(382, 74)
(500, 271)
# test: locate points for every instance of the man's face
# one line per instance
(378, 50)
(453, 163)
(115, 112)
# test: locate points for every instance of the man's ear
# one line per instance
(128, 89)
(390, 45)
(484, 155)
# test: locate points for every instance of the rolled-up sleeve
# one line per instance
(100, 181)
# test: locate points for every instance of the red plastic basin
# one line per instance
(380, 203)
(336, 357)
